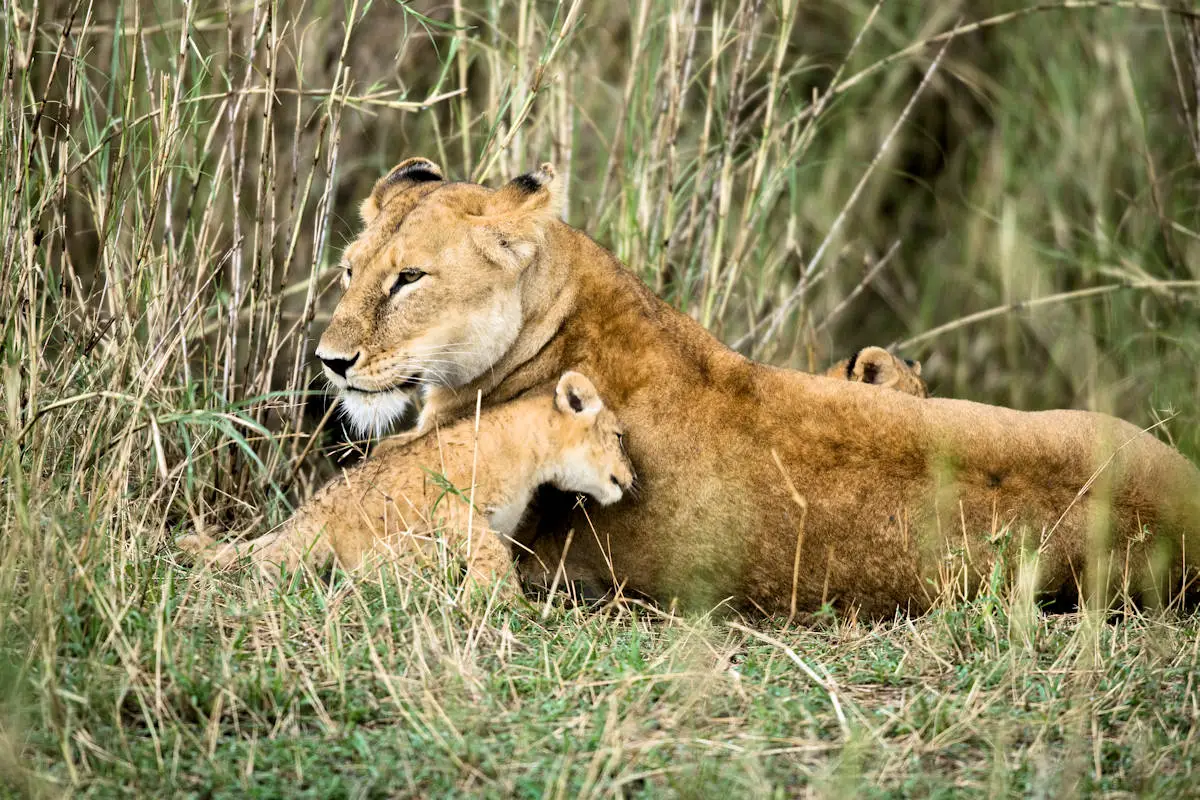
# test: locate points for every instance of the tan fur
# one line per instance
(771, 488)
(393, 503)
(878, 367)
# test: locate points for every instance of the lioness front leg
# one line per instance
(397, 441)
(425, 423)
(436, 408)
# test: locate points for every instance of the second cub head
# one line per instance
(593, 459)
(878, 367)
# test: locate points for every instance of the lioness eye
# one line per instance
(406, 277)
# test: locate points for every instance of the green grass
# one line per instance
(169, 245)
(205, 687)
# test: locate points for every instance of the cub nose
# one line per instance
(338, 366)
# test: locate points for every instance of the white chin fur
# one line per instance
(373, 414)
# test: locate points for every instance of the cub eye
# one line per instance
(405, 277)
(621, 439)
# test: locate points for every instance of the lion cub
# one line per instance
(395, 501)
(877, 366)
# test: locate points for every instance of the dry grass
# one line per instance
(1010, 190)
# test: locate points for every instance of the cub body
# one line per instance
(395, 501)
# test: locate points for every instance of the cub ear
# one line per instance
(874, 365)
(536, 193)
(404, 175)
(576, 396)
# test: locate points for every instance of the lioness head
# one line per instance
(431, 286)
(590, 442)
(877, 366)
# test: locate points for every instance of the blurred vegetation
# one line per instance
(1004, 190)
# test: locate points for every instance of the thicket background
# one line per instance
(1006, 191)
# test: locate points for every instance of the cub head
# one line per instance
(431, 286)
(592, 458)
(877, 366)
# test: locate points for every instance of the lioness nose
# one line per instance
(338, 366)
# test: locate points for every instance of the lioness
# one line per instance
(769, 487)
(878, 367)
(571, 441)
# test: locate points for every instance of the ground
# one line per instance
(219, 686)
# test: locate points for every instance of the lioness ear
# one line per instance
(535, 193)
(514, 215)
(577, 396)
(402, 176)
